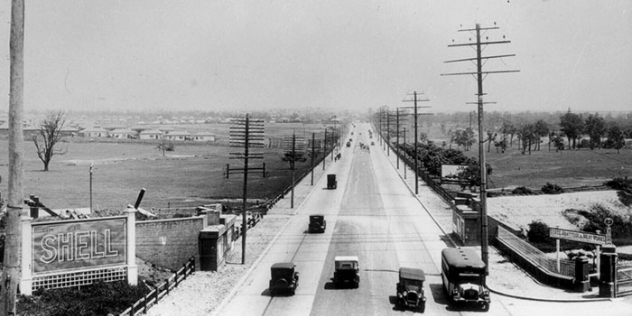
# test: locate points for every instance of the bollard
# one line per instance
(582, 281)
(608, 271)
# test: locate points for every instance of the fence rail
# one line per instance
(624, 281)
(153, 297)
(533, 254)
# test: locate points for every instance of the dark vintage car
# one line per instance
(284, 278)
(331, 181)
(410, 292)
(317, 223)
(347, 271)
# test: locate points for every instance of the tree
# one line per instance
(50, 134)
(595, 127)
(527, 136)
(615, 139)
(572, 125)
(541, 128)
(491, 137)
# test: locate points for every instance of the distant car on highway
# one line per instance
(346, 271)
(284, 278)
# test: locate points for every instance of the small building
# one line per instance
(178, 135)
(204, 137)
(121, 134)
(94, 132)
(151, 134)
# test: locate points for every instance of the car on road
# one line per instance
(284, 278)
(346, 271)
(331, 181)
(317, 223)
(463, 277)
(410, 292)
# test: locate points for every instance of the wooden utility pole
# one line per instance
(479, 74)
(416, 116)
(246, 133)
(312, 158)
(15, 203)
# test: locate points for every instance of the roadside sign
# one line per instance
(577, 236)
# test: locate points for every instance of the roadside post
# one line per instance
(608, 265)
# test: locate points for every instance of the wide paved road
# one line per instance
(374, 216)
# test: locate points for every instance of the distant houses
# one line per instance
(116, 132)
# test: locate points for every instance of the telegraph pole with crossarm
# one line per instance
(480, 76)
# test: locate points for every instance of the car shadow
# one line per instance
(332, 286)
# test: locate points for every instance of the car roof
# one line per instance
(346, 258)
(412, 273)
(319, 215)
(283, 265)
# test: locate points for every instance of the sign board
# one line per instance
(577, 236)
(75, 245)
(452, 172)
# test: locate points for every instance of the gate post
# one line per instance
(582, 283)
(608, 271)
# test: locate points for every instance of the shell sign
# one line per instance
(78, 245)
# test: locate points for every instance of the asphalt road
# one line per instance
(373, 215)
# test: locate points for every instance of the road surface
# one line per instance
(373, 215)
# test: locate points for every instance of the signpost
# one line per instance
(574, 235)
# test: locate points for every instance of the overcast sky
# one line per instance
(356, 54)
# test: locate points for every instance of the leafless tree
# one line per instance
(48, 136)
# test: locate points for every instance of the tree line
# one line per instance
(564, 131)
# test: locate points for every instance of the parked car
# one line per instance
(410, 292)
(317, 223)
(346, 271)
(284, 278)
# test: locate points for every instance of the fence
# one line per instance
(624, 281)
(252, 221)
(534, 261)
(152, 298)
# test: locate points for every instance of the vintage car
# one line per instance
(410, 292)
(348, 144)
(463, 276)
(317, 223)
(284, 278)
(331, 181)
(347, 271)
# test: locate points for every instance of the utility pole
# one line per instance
(15, 202)
(312, 158)
(246, 133)
(292, 156)
(397, 135)
(388, 132)
(405, 143)
(325, 149)
(480, 74)
(416, 115)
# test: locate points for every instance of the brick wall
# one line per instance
(169, 243)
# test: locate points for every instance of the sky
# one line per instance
(247, 55)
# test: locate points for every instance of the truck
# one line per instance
(463, 276)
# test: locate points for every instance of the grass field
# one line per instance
(191, 173)
(567, 168)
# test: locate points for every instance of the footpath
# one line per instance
(505, 278)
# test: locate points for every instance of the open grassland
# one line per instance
(192, 173)
(566, 168)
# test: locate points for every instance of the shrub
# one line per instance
(539, 232)
(623, 184)
(551, 188)
(522, 191)
(97, 299)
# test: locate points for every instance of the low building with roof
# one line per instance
(204, 137)
(151, 134)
